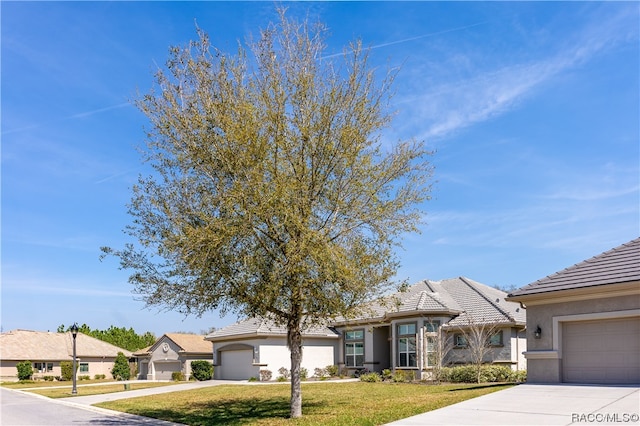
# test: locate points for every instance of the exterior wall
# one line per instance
(510, 354)
(97, 365)
(271, 353)
(544, 355)
(380, 347)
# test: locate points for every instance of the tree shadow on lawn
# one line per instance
(226, 412)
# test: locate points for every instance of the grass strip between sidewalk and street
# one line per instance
(355, 403)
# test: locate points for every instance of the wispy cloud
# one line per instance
(409, 39)
(455, 105)
(83, 114)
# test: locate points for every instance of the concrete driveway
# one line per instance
(530, 404)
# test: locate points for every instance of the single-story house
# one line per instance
(173, 352)
(398, 332)
(405, 331)
(242, 349)
(46, 350)
(584, 322)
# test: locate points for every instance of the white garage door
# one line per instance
(236, 365)
(165, 369)
(605, 351)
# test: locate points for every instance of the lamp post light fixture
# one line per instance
(74, 333)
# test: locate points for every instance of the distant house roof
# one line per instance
(48, 346)
(188, 343)
(618, 265)
(464, 298)
(260, 327)
(193, 343)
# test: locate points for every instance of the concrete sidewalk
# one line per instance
(530, 404)
(94, 399)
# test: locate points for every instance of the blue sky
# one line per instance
(533, 109)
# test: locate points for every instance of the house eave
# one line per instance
(577, 294)
(260, 335)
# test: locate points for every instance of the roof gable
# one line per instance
(193, 343)
(618, 265)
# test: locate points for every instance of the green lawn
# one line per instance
(65, 392)
(28, 384)
(354, 403)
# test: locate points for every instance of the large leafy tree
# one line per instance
(273, 193)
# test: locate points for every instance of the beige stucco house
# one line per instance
(171, 353)
(583, 323)
(398, 332)
(242, 349)
(46, 350)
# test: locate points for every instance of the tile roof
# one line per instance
(193, 343)
(460, 297)
(618, 265)
(265, 327)
(48, 346)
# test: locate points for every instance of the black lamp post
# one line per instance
(74, 333)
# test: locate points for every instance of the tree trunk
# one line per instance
(294, 337)
(295, 346)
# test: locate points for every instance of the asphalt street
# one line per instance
(22, 408)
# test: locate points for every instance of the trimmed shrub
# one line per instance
(304, 373)
(25, 370)
(84, 377)
(253, 379)
(284, 373)
(387, 374)
(281, 379)
(265, 375)
(201, 370)
(99, 376)
(48, 378)
(332, 370)
(66, 369)
(320, 373)
(488, 373)
(177, 376)
(120, 370)
(372, 377)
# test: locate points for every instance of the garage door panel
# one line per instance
(236, 365)
(164, 370)
(603, 351)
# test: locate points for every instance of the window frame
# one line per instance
(409, 341)
(460, 341)
(81, 365)
(431, 335)
(356, 343)
(500, 339)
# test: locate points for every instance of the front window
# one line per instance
(496, 339)
(84, 367)
(43, 367)
(407, 345)
(354, 348)
(460, 341)
(432, 337)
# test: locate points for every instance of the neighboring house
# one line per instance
(242, 349)
(46, 350)
(173, 352)
(584, 322)
(398, 333)
(404, 331)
